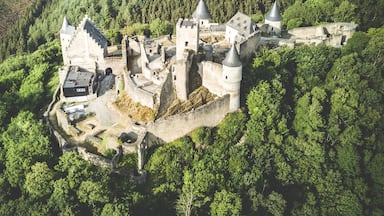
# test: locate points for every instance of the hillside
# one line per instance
(10, 12)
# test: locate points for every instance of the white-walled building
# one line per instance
(239, 28)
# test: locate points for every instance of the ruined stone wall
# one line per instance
(62, 119)
(248, 47)
(133, 47)
(94, 159)
(310, 32)
(116, 64)
(167, 95)
(305, 32)
(144, 63)
(173, 127)
(138, 94)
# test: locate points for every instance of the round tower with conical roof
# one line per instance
(274, 20)
(231, 77)
(202, 15)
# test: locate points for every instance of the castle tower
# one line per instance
(202, 15)
(231, 77)
(187, 43)
(187, 37)
(274, 19)
(66, 33)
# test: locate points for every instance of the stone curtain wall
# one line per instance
(173, 127)
(248, 47)
(167, 95)
(212, 73)
(138, 94)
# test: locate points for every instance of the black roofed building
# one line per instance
(79, 85)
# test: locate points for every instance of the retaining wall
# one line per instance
(173, 127)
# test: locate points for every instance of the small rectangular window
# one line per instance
(80, 90)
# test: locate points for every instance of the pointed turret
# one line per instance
(201, 12)
(66, 34)
(232, 59)
(274, 14)
(274, 21)
(65, 24)
(231, 77)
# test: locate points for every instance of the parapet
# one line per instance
(186, 23)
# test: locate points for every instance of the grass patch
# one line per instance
(137, 111)
(197, 98)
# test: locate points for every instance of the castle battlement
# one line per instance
(92, 31)
(186, 24)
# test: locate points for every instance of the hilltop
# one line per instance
(307, 140)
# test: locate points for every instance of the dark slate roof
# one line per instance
(201, 11)
(232, 59)
(77, 78)
(274, 14)
(242, 23)
(93, 31)
(66, 28)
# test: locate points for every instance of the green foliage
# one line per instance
(167, 164)
(345, 12)
(226, 203)
(202, 137)
(231, 128)
(294, 23)
(309, 123)
(62, 196)
(159, 27)
(357, 43)
(38, 182)
(134, 29)
(25, 143)
(348, 160)
(313, 136)
(263, 103)
(257, 17)
(92, 192)
(313, 65)
(115, 209)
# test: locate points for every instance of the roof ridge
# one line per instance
(83, 26)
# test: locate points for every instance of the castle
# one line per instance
(161, 74)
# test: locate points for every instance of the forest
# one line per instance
(308, 140)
